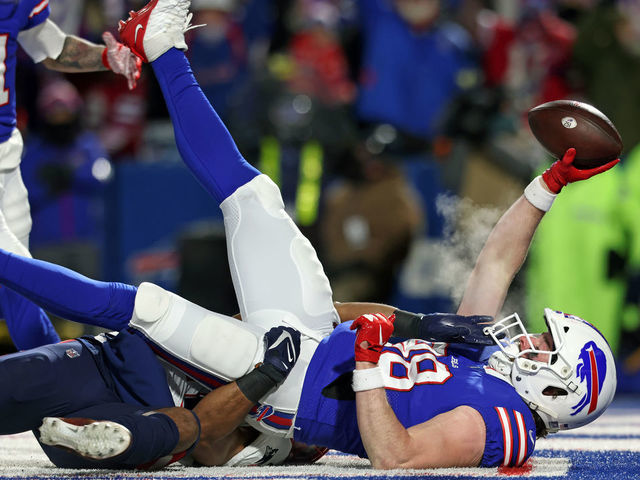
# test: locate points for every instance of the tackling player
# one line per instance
(410, 404)
(26, 23)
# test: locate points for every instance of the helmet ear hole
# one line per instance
(552, 391)
(566, 329)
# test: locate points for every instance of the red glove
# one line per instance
(374, 330)
(563, 172)
(119, 59)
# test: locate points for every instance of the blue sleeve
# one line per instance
(511, 435)
(68, 294)
(29, 326)
(202, 139)
(38, 12)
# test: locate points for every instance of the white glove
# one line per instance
(119, 59)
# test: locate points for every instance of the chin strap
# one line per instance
(502, 364)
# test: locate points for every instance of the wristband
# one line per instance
(367, 379)
(194, 444)
(105, 60)
(255, 384)
(407, 324)
(538, 196)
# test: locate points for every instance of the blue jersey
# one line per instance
(398, 63)
(15, 16)
(421, 382)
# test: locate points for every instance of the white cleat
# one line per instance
(95, 439)
(157, 27)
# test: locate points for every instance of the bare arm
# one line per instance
(500, 259)
(221, 412)
(56, 50)
(454, 438)
(78, 55)
(352, 310)
(508, 244)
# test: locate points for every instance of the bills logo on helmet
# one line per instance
(592, 369)
(263, 411)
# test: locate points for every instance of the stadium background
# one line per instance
(397, 133)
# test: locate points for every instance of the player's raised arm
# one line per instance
(506, 248)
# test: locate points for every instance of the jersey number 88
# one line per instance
(410, 363)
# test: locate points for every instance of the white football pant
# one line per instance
(15, 214)
(278, 280)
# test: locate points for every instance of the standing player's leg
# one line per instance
(29, 326)
(16, 210)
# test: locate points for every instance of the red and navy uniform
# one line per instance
(118, 379)
(439, 383)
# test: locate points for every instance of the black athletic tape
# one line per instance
(407, 324)
(255, 384)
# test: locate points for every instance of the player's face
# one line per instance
(543, 341)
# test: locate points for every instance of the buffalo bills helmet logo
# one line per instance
(592, 369)
(263, 411)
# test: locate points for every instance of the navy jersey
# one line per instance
(15, 16)
(421, 382)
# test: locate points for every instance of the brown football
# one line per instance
(563, 124)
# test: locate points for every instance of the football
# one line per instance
(563, 124)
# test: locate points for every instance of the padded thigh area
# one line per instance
(228, 353)
(215, 343)
(274, 267)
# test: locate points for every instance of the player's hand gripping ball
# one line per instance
(564, 171)
(565, 124)
(374, 330)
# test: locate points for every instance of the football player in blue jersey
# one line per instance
(402, 402)
(26, 23)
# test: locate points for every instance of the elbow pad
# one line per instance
(42, 41)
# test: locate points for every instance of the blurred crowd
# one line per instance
(396, 130)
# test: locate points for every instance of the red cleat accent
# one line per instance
(156, 28)
(132, 31)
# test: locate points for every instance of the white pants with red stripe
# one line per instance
(278, 280)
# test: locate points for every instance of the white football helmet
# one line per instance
(577, 382)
